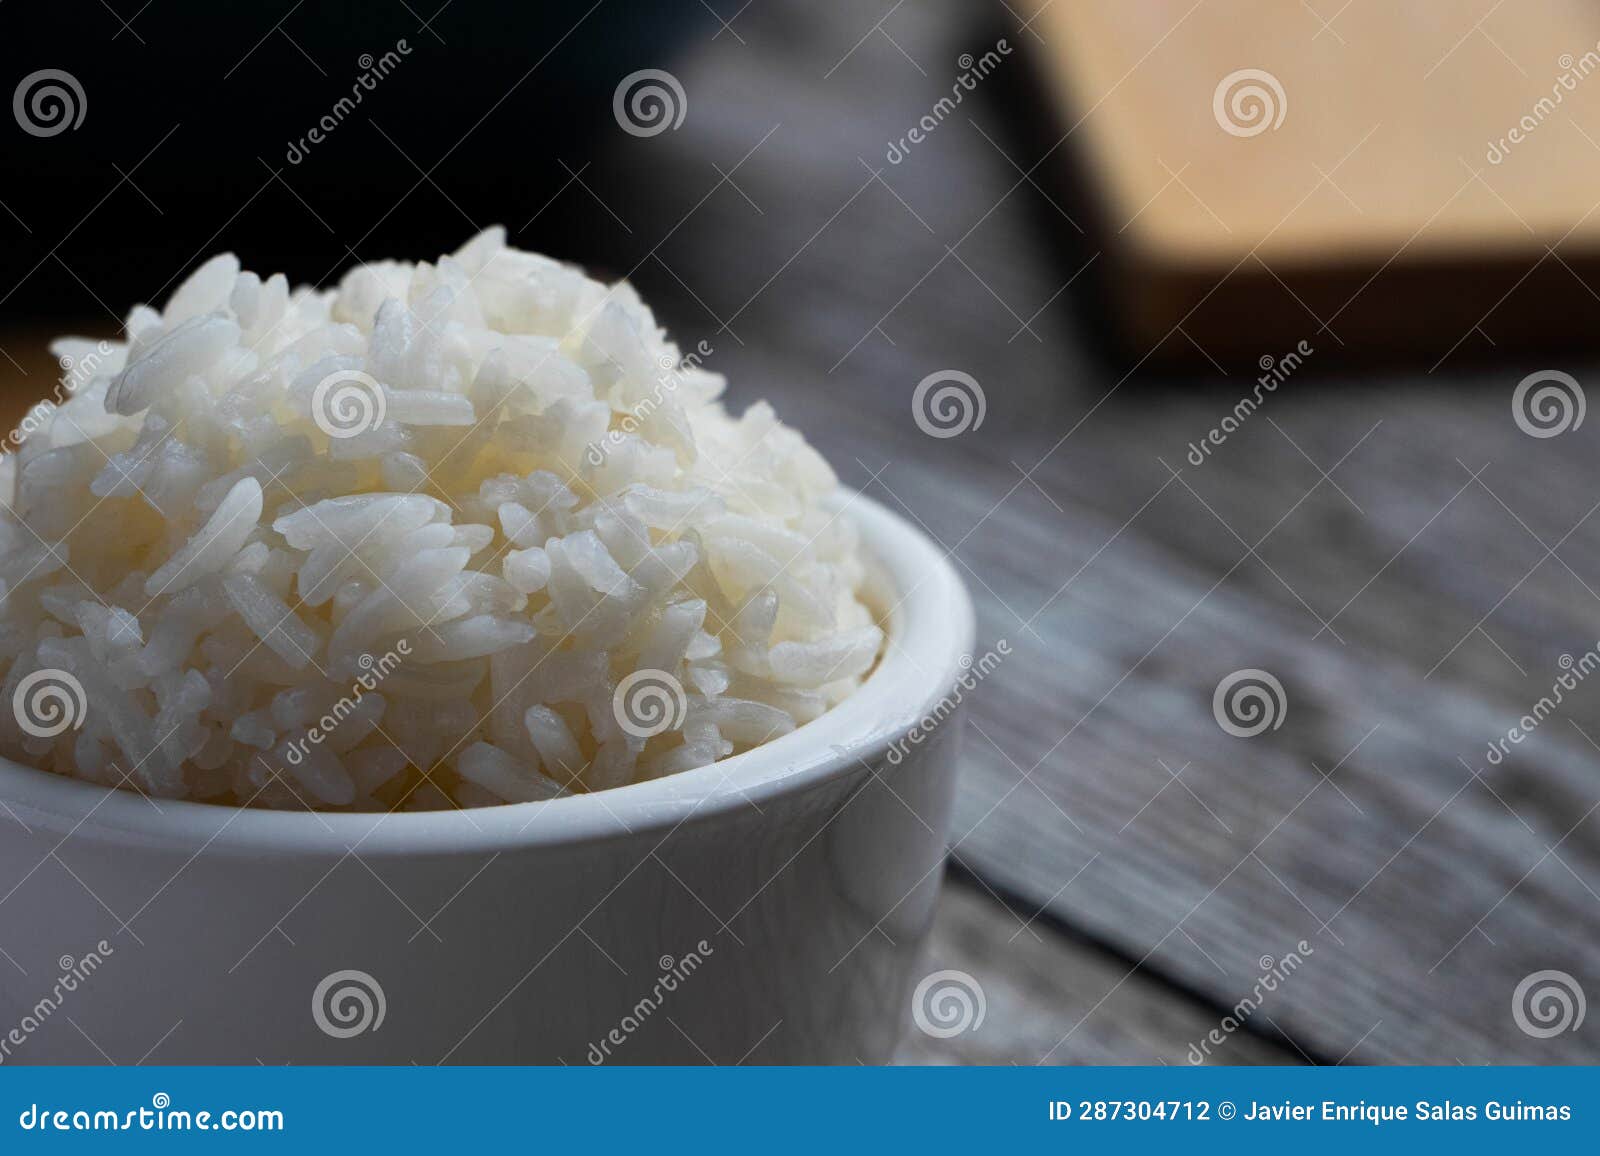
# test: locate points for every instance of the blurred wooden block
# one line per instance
(1361, 176)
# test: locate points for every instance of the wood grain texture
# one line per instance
(1408, 601)
(1390, 545)
(1036, 984)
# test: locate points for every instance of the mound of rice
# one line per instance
(452, 535)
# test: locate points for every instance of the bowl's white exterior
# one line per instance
(769, 908)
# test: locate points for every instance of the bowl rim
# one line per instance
(929, 630)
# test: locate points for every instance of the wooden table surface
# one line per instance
(1408, 563)
(1388, 544)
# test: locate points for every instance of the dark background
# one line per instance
(192, 108)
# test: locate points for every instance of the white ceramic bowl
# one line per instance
(768, 908)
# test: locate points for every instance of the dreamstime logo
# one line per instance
(1274, 973)
(972, 673)
(1572, 71)
(948, 1003)
(1248, 702)
(1573, 672)
(1248, 102)
(160, 1117)
(948, 403)
(76, 372)
(74, 973)
(348, 403)
(373, 69)
(348, 1003)
(674, 973)
(671, 377)
(1548, 403)
(373, 672)
(1548, 1003)
(973, 69)
(49, 702)
(649, 702)
(49, 102)
(649, 102)
(1274, 372)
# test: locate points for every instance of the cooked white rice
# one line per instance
(454, 534)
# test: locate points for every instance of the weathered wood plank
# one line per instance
(1358, 825)
(1037, 984)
